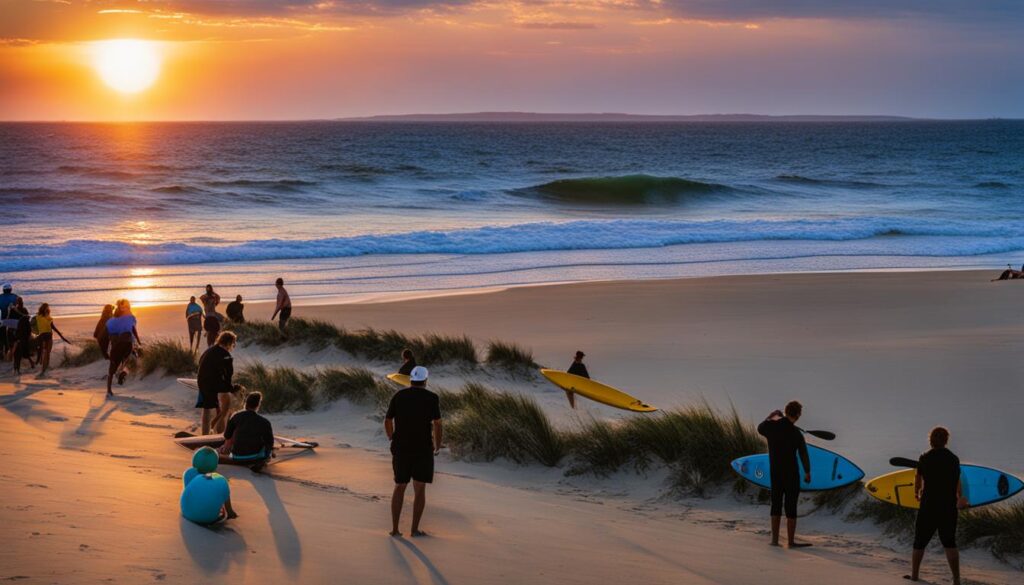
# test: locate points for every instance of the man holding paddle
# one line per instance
(785, 443)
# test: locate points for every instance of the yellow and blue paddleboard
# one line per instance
(400, 379)
(596, 391)
(981, 486)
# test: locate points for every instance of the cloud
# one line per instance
(955, 10)
(557, 25)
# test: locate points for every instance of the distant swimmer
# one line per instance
(235, 309)
(45, 328)
(214, 377)
(1010, 274)
(938, 487)
(249, 436)
(123, 331)
(413, 425)
(282, 308)
(408, 362)
(100, 333)
(194, 318)
(577, 368)
(785, 443)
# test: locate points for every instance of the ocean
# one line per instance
(355, 210)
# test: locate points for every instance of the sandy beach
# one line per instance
(879, 358)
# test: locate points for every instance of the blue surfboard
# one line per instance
(981, 486)
(829, 470)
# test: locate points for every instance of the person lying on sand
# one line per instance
(408, 362)
(216, 369)
(413, 425)
(576, 368)
(249, 436)
(785, 443)
(1010, 274)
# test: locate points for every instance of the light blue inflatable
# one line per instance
(205, 459)
(204, 496)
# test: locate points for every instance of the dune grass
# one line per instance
(170, 355)
(283, 388)
(88, 351)
(357, 385)
(509, 356)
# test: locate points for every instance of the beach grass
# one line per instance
(88, 352)
(357, 385)
(284, 389)
(509, 356)
(171, 355)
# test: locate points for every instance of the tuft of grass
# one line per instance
(488, 425)
(283, 388)
(264, 333)
(1000, 528)
(88, 352)
(510, 356)
(171, 355)
(357, 385)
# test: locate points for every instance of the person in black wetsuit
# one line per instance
(576, 368)
(235, 310)
(937, 486)
(408, 362)
(785, 443)
(216, 368)
(413, 425)
(249, 436)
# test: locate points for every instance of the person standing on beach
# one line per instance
(211, 324)
(785, 444)
(576, 368)
(100, 333)
(408, 362)
(937, 486)
(45, 328)
(194, 318)
(216, 369)
(210, 300)
(7, 300)
(413, 425)
(22, 335)
(283, 307)
(124, 333)
(235, 309)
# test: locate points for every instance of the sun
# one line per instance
(127, 65)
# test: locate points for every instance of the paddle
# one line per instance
(903, 462)
(826, 435)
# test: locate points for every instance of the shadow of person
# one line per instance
(215, 549)
(436, 576)
(286, 538)
(87, 430)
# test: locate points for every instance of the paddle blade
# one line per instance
(903, 462)
(826, 435)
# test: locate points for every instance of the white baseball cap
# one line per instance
(418, 374)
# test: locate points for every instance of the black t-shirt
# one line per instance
(216, 367)
(940, 469)
(407, 367)
(785, 441)
(252, 433)
(234, 311)
(578, 369)
(414, 410)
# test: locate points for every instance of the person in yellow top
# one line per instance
(45, 328)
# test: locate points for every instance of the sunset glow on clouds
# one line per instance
(255, 59)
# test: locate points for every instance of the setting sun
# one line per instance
(127, 65)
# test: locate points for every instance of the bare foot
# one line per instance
(395, 533)
(418, 532)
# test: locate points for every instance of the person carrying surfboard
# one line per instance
(576, 368)
(938, 487)
(408, 362)
(785, 444)
(413, 425)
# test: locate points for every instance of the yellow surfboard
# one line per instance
(895, 488)
(596, 391)
(400, 379)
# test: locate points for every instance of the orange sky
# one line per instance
(298, 59)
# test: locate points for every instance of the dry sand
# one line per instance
(91, 486)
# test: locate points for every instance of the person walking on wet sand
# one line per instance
(413, 425)
(785, 444)
(123, 331)
(938, 487)
(194, 318)
(282, 308)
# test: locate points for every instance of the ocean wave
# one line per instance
(624, 190)
(287, 185)
(802, 180)
(948, 238)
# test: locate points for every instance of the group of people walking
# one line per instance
(25, 337)
(203, 318)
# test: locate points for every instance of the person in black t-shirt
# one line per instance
(235, 310)
(413, 425)
(785, 443)
(249, 436)
(408, 362)
(937, 486)
(216, 368)
(576, 368)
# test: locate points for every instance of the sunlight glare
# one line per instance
(127, 65)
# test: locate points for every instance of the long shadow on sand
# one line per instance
(286, 538)
(436, 576)
(87, 431)
(22, 405)
(214, 550)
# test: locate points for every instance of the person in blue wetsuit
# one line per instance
(938, 487)
(785, 444)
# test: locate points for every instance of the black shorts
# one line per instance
(418, 466)
(207, 400)
(931, 520)
(286, 313)
(121, 348)
(785, 493)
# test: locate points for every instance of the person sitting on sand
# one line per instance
(100, 332)
(1010, 274)
(408, 362)
(576, 368)
(123, 331)
(210, 300)
(249, 436)
(283, 307)
(938, 487)
(216, 368)
(235, 309)
(45, 328)
(785, 443)
(194, 318)
(413, 425)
